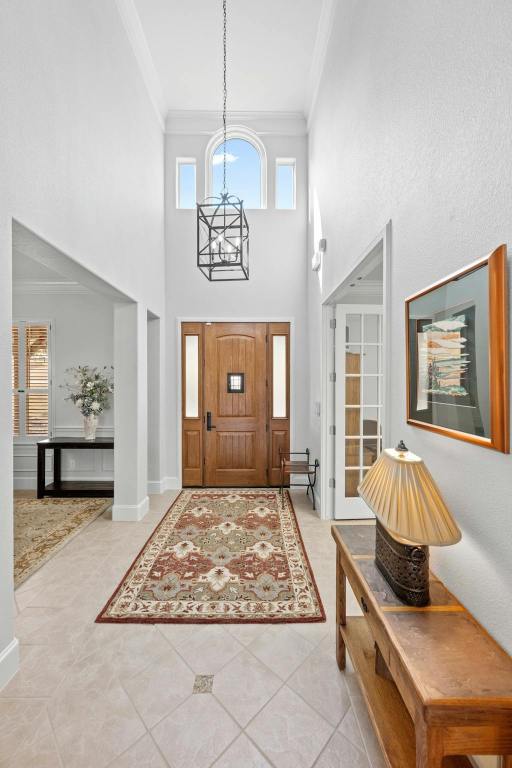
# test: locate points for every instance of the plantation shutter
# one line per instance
(36, 375)
(15, 381)
(30, 379)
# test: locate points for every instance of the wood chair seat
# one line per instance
(296, 467)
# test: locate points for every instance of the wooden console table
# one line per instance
(77, 488)
(437, 686)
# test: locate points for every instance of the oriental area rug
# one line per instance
(43, 526)
(221, 556)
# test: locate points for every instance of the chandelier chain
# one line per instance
(225, 92)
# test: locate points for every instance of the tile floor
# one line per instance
(96, 695)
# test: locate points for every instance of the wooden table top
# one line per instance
(76, 442)
(447, 653)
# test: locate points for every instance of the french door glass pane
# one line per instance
(353, 332)
(353, 390)
(351, 482)
(371, 359)
(352, 421)
(279, 377)
(353, 359)
(372, 329)
(370, 451)
(351, 453)
(191, 377)
(372, 390)
(370, 421)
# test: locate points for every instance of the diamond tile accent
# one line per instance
(203, 684)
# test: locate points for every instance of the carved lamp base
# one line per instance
(404, 566)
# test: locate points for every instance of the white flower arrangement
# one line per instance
(90, 389)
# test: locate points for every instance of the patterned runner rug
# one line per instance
(43, 526)
(221, 556)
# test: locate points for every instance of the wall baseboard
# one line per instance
(171, 484)
(130, 513)
(9, 662)
(155, 486)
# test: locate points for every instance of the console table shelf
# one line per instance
(67, 488)
(437, 686)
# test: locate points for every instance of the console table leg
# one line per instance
(506, 761)
(57, 468)
(41, 453)
(429, 748)
(341, 610)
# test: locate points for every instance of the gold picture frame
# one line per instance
(457, 354)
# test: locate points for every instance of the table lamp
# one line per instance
(411, 515)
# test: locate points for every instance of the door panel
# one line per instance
(235, 449)
(359, 402)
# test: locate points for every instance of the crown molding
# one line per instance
(137, 38)
(323, 35)
(207, 122)
(39, 287)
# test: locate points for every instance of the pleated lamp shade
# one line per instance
(402, 493)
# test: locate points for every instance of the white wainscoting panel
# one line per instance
(76, 465)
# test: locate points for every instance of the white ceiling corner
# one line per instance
(323, 35)
(133, 27)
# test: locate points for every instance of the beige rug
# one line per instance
(221, 556)
(43, 526)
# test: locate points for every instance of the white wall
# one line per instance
(82, 334)
(82, 166)
(277, 284)
(412, 124)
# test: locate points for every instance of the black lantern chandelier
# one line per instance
(222, 228)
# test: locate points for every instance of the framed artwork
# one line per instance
(457, 354)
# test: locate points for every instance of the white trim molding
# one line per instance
(190, 122)
(9, 662)
(48, 286)
(130, 513)
(236, 132)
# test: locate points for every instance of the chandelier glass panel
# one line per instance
(222, 228)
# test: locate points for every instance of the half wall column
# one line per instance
(130, 412)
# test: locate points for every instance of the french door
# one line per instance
(358, 402)
(235, 403)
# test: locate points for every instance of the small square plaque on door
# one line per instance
(236, 383)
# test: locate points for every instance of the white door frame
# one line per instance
(328, 414)
(222, 319)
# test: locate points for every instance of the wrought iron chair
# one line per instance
(299, 463)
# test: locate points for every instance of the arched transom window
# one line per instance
(246, 167)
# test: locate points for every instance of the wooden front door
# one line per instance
(235, 403)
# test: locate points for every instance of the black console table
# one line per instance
(102, 489)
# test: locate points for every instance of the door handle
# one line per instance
(209, 425)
